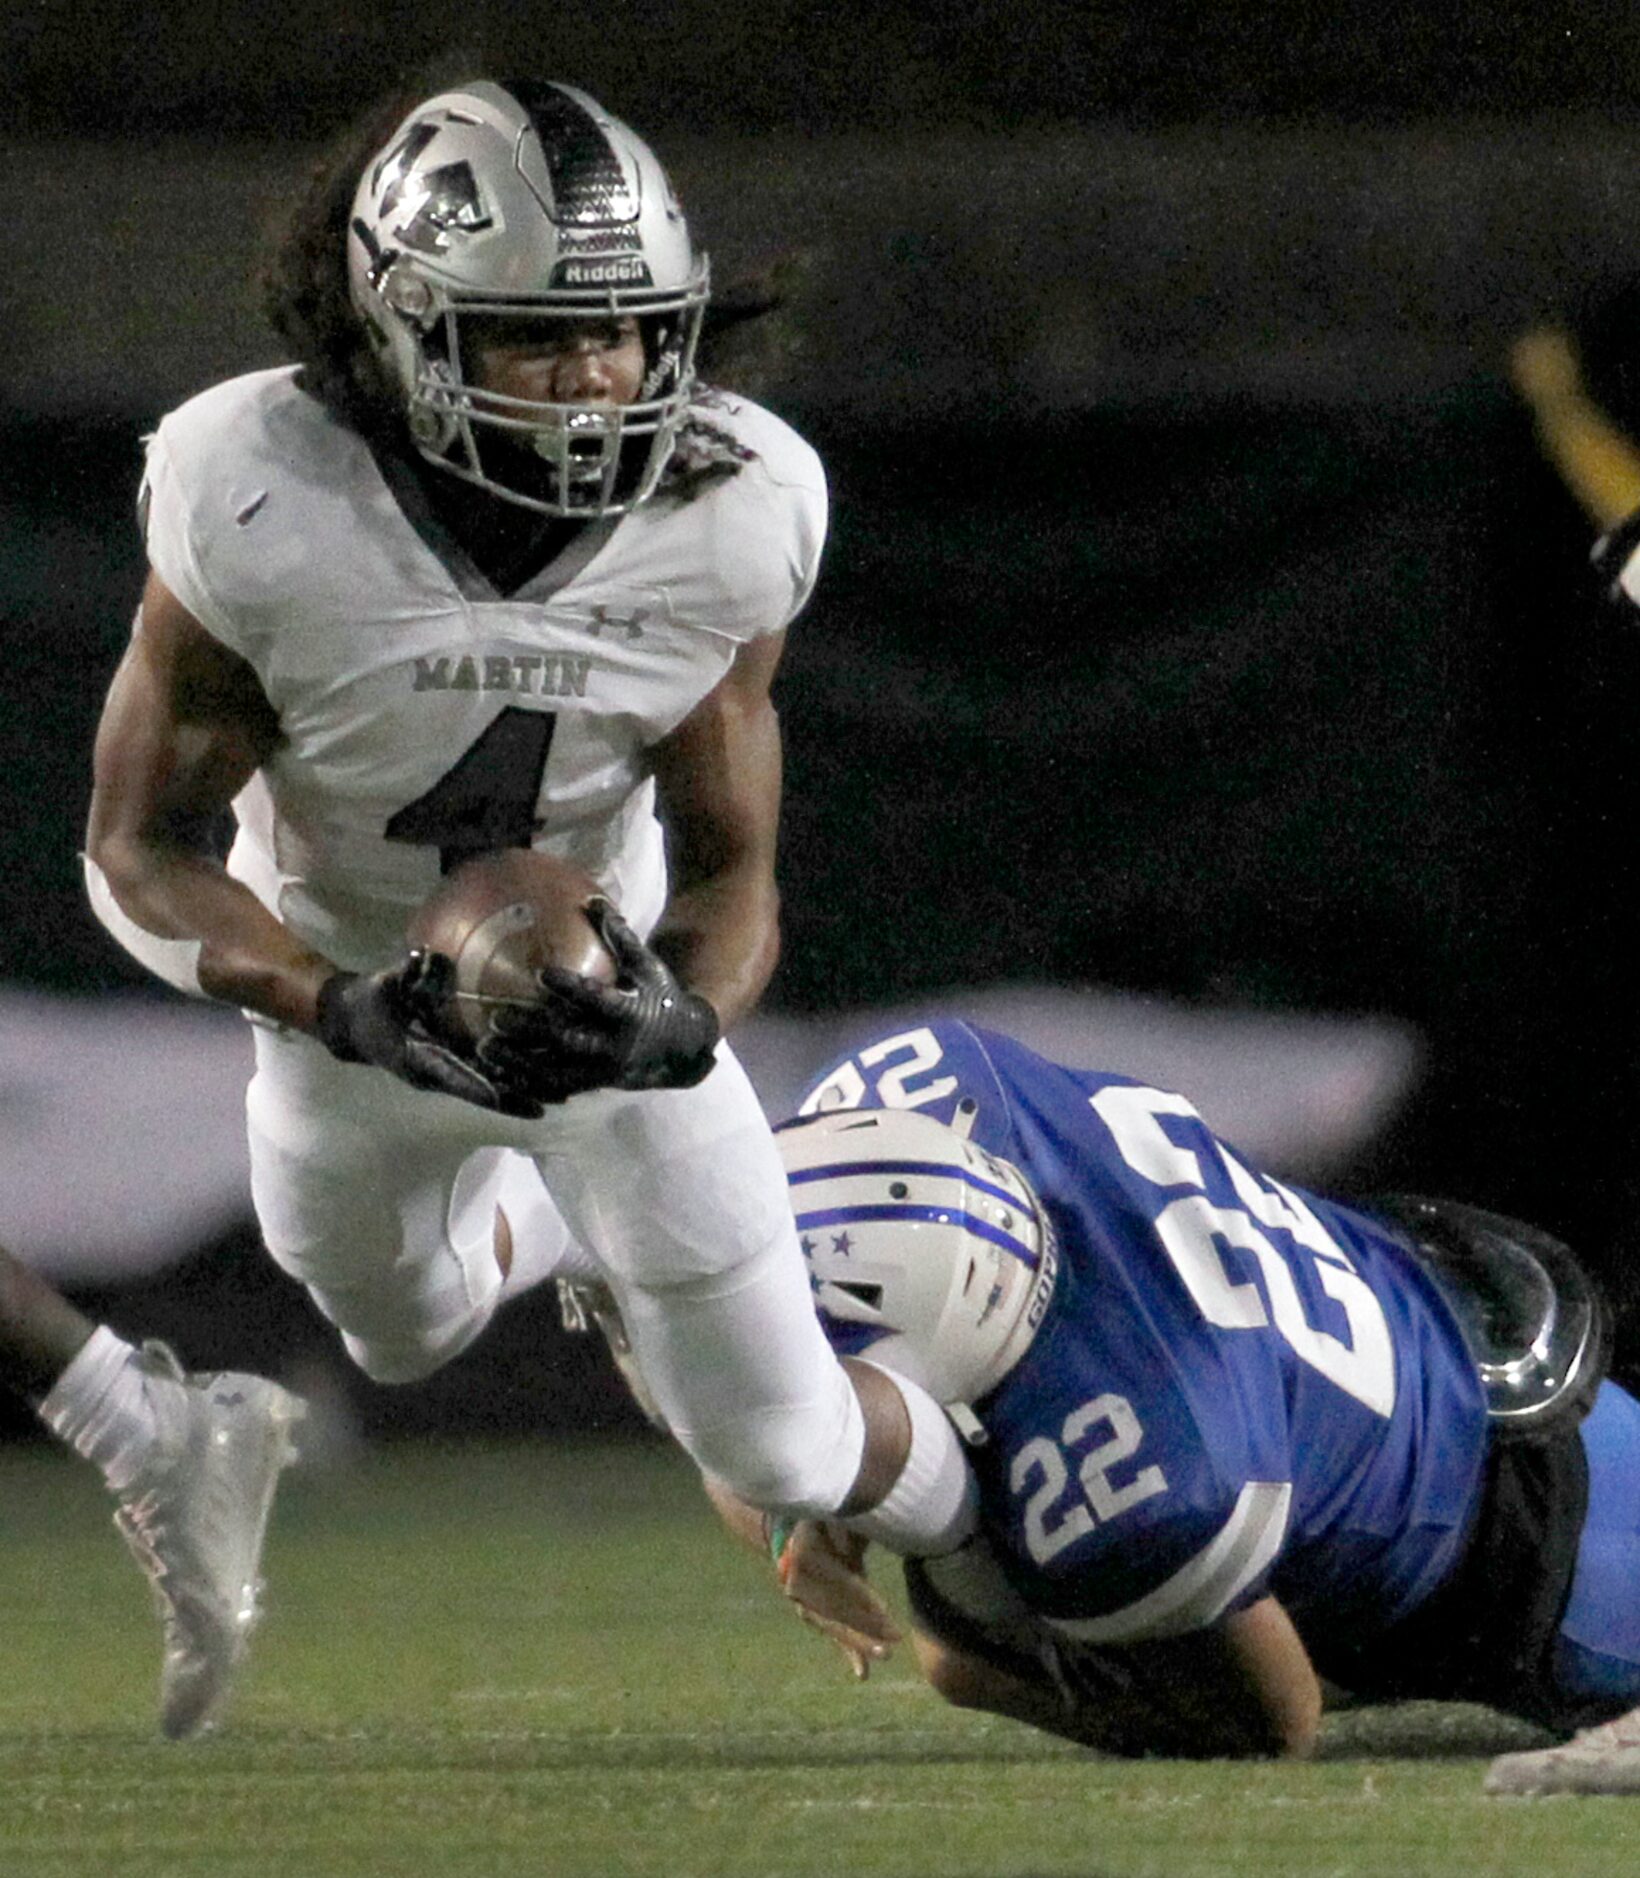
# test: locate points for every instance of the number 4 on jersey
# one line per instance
(488, 798)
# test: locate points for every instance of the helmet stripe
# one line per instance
(589, 188)
(905, 1211)
(934, 1170)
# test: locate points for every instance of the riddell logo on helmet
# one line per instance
(627, 270)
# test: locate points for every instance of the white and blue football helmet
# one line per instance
(926, 1254)
(526, 202)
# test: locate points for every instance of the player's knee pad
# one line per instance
(396, 1362)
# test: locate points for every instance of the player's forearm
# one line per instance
(1271, 1657)
(1243, 1689)
(246, 957)
(718, 780)
(721, 936)
(1168, 1700)
(742, 1521)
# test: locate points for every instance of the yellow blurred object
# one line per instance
(1598, 461)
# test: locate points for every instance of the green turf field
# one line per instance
(482, 1662)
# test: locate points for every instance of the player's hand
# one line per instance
(642, 1032)
(822, 1570)
(387, 1018)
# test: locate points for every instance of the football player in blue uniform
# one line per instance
(1232, 1440)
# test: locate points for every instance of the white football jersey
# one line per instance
(422, 710)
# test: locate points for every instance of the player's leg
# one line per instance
(193, 1462)
(40, 1331)
(402, 1214)
(1598, 1657)
(682, 1198)
(384, 1202)
(532, 1245)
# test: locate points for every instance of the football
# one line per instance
(500, 917)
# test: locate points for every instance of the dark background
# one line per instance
(1200, 617)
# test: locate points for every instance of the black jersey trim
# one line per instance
(541, 575)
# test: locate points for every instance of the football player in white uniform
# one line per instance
(490, 567)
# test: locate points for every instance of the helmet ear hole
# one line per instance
(871, 1296)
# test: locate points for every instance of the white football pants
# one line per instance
(382, 1200)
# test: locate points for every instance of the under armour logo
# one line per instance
(630, 623)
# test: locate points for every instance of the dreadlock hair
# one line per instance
(301, 278)
(751, 336)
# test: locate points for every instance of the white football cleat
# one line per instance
(1604, 1759)
(195, 1517)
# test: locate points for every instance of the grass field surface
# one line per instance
(546, 1660)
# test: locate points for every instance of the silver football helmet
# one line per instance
(925, 1253)
(527, 202)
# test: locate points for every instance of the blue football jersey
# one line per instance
(1239, 1388)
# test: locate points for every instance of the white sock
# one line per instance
(934, 1505)
(100, 1406)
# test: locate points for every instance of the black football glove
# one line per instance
(386, 1018)
(642, 1032)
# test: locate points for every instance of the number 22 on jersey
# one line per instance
(1051, 1526)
